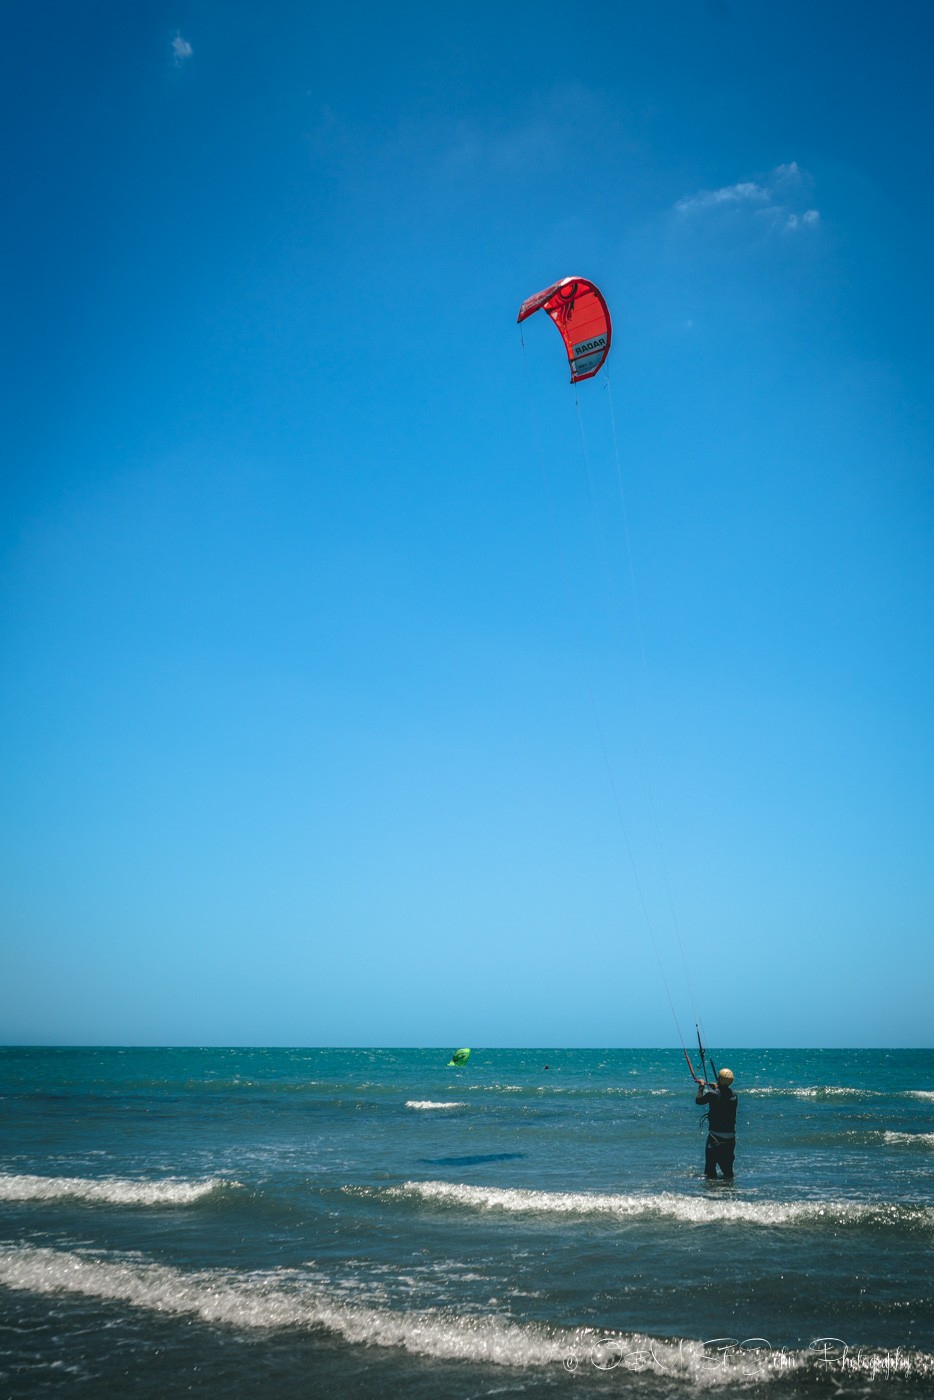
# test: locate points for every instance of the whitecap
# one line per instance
(169, 1191)
(290, 1299)
(697, 1209)
(283, 1299)
(428, 1103)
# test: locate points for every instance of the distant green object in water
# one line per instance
(460, 1057)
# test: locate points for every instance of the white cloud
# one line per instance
(745, 193)
(181, 49)
(810, 216)
(777, 198)
(784, 174)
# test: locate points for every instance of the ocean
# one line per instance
(359, 1223)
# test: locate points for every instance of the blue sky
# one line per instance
(299, 625)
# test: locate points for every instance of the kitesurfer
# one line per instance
(721, 1124)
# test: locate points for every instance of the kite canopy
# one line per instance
(460, 1057)
(578, 310)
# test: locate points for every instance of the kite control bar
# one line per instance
(704, 1056)
(691, 1068)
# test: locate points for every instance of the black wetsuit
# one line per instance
(721, 1136)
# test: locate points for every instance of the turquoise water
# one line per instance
(361, 1223)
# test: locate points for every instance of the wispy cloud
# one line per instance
(744, 193)
(778, 199)
(181, 49)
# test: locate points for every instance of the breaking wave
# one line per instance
(290, 1299)
(428, 1103)
(171, 1191)
(666, 1204)
(283, 1299)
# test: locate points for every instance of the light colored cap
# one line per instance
(726, 1075)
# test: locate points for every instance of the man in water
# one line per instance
(721, 1124)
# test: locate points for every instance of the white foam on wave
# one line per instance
(920, 1093)
(289, 1299)
(689, 1209)
(429, 1103)
(813, 1091)
(910, 1139)
(282, 1299)
(171, 1191)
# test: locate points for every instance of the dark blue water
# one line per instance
(364, 1223)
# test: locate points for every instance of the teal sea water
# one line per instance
(360, 1223)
